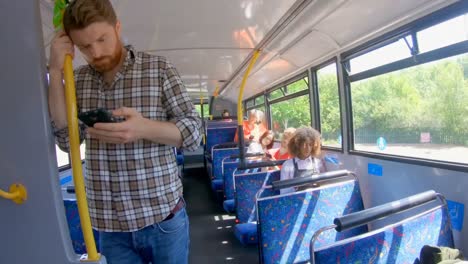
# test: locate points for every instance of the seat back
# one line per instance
(218, 156)
(396, 243)
(247, 186)
(218, 135)
(230, 168)
(287, 222)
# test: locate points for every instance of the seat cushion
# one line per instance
(229, 206)
(217, 185)
(246, 233)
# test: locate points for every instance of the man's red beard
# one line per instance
(107, 63)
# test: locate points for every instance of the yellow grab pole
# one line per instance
(241, 90)
(240, 129)
(72, 119)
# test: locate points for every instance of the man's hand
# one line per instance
(128, 131)
(60, 46)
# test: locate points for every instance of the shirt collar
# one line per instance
(308, 159)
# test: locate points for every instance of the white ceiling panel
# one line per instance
(206, 40)
(261, 79)
(353, 20)
(313, 46)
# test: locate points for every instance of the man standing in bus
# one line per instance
(132, 184)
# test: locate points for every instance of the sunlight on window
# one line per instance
(62, 157)
(415, 112)
(330, 117)
(387, 54)
(447, 33)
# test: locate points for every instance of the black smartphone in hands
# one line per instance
(99, 115)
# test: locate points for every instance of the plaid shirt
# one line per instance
(131, 186)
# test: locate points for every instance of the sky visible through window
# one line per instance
(449, 32)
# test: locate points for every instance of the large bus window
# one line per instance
(250, 103)
(300, 85)
(416, 112)
(278, 93)
(206, 110)
(62, 157)
(259, 100)
(330, 121)
(387, 54)
(291, 113)
(448, 32)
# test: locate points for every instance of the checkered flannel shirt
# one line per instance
(131, 186)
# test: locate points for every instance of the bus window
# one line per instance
(62, 157)
(330, 120)
(417, 111)
(448, 32)
(387, 54)
(206, 110)
(294, 112)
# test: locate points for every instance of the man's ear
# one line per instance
(118, 28)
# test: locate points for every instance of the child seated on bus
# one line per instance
(226, 116)
(253, 128)
(305, 147)
(265, 143)
(282, 153)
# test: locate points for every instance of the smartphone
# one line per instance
(99, 115)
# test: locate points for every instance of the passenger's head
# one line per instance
(267, 139)
(288, 133)
(305, 143)
(93, 27)
(225, 114)
(256, 116)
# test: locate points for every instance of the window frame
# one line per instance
(316, 96)
(412, 28)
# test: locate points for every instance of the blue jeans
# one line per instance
(164, 242)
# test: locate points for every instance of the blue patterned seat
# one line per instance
(287, 222)
(229, 206)
(218, 135)
(74, 226)
(247, 185)
(396, 243)
(230, 170)
(246, 233)
(218, 155)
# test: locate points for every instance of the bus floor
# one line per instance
(212, 237)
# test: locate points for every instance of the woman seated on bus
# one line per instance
(264, 145)
(282, 153)
(254, 127)
(305, 147)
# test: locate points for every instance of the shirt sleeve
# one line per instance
(61, 136)
(180, 108)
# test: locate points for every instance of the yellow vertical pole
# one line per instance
(240, 128)
(74, 138)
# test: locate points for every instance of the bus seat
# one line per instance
(246, 233)
(218, 135)
(247, 186)
(287, 222)
(74, 226)
(399, 242)
(229, 206)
